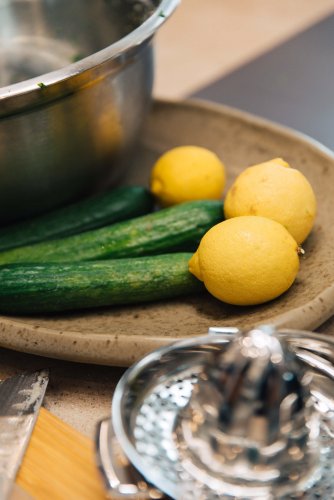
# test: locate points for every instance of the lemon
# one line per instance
(246, 260)
(187, 173)
(273, 189)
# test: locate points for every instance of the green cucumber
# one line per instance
(119, 204)
(27, 288)
(178, 228)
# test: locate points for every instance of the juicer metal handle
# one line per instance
(121, 479)
(223, 330)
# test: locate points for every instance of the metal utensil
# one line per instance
(183, 422)
(75, 87)
(251, 427)
(121, 479)
(20, 399)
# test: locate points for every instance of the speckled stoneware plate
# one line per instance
(120, 335)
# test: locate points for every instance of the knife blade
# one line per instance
(20, 399)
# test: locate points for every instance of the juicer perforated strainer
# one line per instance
(234, 414)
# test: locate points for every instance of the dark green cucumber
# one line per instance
(171, 229)
(27, 288)
(119, 204)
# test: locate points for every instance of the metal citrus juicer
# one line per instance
(235, 414)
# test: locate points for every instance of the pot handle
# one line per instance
(121, 480)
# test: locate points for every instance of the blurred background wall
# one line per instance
(206, 39)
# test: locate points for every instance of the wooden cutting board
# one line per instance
(59, 463)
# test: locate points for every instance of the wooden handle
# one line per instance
(59, 463)
(19, 493)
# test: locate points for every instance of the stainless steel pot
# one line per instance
(76, 81)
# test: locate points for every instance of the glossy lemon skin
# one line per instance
(187, 173)
(246, 260)
(275, 190)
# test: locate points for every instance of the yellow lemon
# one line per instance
(187, 173)
(246, 260)
(274, 190)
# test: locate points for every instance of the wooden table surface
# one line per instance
(203, 41)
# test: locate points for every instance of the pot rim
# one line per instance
(137, 37)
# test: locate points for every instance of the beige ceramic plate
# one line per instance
(121, 335)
